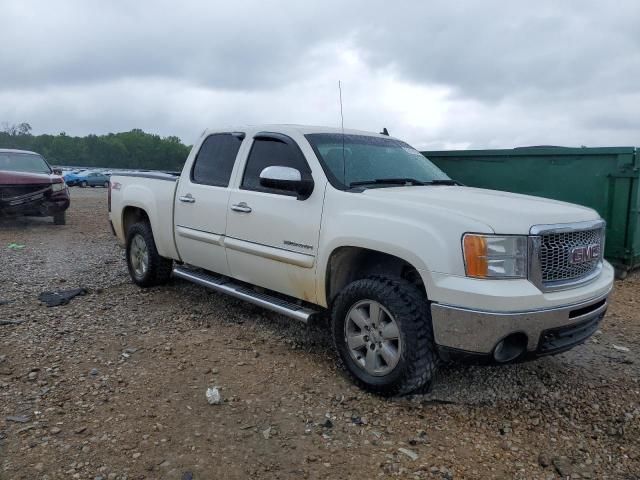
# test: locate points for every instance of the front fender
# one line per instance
(428, 239)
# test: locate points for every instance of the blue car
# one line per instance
(94, 179)
(72, 178)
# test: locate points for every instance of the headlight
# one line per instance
(493, 256)
(56, 187)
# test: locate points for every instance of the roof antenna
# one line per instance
(344, 162)
(384, 131)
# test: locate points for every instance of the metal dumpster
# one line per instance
(605, 179)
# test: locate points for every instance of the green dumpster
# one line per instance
(605, 179)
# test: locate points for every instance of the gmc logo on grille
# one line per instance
(585, 253)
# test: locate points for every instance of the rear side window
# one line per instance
(215, 159)
(267, 152)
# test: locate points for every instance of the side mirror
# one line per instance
(286, 178)
(57, 171)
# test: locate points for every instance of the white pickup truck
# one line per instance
(412, 267)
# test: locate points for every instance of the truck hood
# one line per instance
(27, 178)
(503, 212)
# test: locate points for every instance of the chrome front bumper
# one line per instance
(548, 331)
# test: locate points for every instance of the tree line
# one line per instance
(135, 149)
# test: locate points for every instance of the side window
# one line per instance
(214, 162)
(267, 152)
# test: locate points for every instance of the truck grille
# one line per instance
(555, 254)
(12, 192)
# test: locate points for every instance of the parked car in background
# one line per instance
(30, 187)
(94, 179)
(72, 177)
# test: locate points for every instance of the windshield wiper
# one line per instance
(442, 182)
(390, 181)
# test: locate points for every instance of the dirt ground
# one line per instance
(112, 385)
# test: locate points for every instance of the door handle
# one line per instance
(241, 207)
(188, 198)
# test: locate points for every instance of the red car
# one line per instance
(29, 186)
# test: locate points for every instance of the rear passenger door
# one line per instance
(201, 203)
(272, 236)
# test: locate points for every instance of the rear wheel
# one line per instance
(381, 328)
(146, 267)
(60, 218)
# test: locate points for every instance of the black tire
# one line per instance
(158, 269)
(60, 218)
(418, 361)
(83, 184)
(106, 184)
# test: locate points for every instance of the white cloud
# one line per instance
(439, 74)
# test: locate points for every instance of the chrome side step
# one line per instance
(224, 285)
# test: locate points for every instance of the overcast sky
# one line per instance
(450, 74)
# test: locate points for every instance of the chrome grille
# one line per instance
(555, 254)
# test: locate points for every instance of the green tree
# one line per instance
(133, 149)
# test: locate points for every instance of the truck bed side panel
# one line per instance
(155, 195)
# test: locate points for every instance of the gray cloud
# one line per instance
(243, 45)
(441, 74)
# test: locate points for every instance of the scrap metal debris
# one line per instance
(17, 418)
(11, 322)
(55, 299)
(621, 348)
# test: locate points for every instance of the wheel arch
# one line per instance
(133, 214)
(163, 238)
(347, 264)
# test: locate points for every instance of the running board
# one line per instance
(224, 285)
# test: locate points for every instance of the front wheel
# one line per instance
(146, 267)
(381, 328)
(83, 184)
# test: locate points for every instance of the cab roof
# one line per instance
(293, 128)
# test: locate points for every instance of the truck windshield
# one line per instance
(23, 162)
(373, 161)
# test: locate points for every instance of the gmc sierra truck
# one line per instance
(412, 267)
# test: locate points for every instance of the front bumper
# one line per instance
(467, 332)
(43, 203)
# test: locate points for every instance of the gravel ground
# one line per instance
(112, 385)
